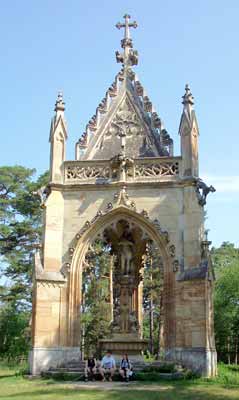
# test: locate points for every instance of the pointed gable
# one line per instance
(125, 121)
(125, 112)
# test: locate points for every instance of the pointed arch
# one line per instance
(75, 277)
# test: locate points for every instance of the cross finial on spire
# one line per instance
(127, 40)
(188, 97)
(129, 57)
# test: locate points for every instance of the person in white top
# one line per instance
(107, 366)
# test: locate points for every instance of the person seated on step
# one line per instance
(125, 368)
(107, 367)
(90, 368)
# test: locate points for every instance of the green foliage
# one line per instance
(148, 376)
(20, 230)
(63, 376)
(224, 256)
(96, 307)
(14, 332)
(226, 300)
(152, 298)
(228, 375)
(166, 368)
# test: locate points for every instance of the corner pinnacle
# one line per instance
(187, 97)
(60, 105)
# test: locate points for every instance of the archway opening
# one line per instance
(122, 291)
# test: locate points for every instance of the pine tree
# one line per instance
(20, 230)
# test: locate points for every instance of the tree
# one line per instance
(226, 301)
(96, 301)
(152, 298)
(20, 230)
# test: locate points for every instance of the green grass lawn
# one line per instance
(226, 386)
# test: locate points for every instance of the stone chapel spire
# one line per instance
(129, 57)
(189, 132)
(125, 121)
(58, 137)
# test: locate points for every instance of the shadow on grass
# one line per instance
(9, 375)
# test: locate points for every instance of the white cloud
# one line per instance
(223, 184)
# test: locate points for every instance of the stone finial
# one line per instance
(206, 235)
(205, 244)
(127, 41)
(129, 57)
(188, 97)
(60, 105)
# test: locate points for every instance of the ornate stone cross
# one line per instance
(127, 25)
(130, 57)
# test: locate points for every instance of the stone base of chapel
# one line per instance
(199, 359)
(43, 358)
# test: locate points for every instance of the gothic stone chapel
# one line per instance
(126, 189)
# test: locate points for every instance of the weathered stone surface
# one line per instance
(125, 170)
(43, 358)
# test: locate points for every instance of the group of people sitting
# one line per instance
(107, 367)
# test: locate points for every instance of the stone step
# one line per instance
(76, 370)
(73, 375)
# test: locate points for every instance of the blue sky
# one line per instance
(69, 45)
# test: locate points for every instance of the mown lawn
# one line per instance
(225, 387)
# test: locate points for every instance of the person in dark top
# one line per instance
(90, 368)
(125, 368)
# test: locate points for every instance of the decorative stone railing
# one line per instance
(138, 170)
(151, 168)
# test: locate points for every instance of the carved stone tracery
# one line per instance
(125, 122)
(121, 167)
(159, 169)
(88, 172)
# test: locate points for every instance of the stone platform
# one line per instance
(124, 345)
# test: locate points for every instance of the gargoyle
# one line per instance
(202, 190)
(42, 193)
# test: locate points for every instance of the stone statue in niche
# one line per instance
(117, 319)
(133, 322)
(126, 256)
(124, 317)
